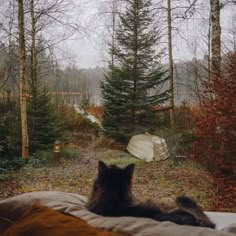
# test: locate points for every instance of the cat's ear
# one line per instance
(102, 167)
(130, 169)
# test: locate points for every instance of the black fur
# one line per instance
(112, 196)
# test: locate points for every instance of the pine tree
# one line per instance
(45, 125)
(132, 85)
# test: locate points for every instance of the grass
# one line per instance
(70, 153)
(159, 181)
(117, 157)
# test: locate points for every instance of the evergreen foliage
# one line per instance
(133, 84)
(10, 125)
(45, 125)
(10, 134)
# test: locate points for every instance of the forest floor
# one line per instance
(159, 181)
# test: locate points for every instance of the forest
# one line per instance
(167, 68)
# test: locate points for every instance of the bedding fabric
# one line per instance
(44, 221)
(12, 208)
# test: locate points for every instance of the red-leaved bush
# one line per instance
(216, 127)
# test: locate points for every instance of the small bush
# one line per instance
(186, 142)
(8, 165)
(179, 142)
(173, 141)
(40, 159)
(184, 119)
(163, 119)
(11, 163)
(3, 174)
(70, 153)
(10, 133)
(76, 122)
(80, 129)
(106, 142)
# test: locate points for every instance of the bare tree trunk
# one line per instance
(209, 50)
(33, 61)
(10, 67)
(24, 128)
(171, 67)
(33, 52)
(113, 32)
(215, 37)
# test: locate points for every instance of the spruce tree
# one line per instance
(45, 125)
(132, 85)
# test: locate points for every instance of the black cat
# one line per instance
(112, 196)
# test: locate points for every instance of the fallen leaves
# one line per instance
(159, 181)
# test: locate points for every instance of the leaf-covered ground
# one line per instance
(160, 181)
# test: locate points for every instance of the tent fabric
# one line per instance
(148, 147)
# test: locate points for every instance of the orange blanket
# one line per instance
(43, 221)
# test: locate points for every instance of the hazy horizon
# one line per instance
(89, 52)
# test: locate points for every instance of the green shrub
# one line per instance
(40, 159)
(3, 174)
(10, 132)
(80, 129)
(70, 153)
(11, 163)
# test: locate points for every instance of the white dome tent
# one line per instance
(148, 147)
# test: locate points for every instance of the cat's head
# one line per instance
(114, 178)
(111, 189)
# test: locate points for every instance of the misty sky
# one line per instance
(87, 50)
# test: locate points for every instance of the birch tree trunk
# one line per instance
(215, 37)
(24, 128)
(171, 68)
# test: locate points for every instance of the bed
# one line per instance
(74, 204)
